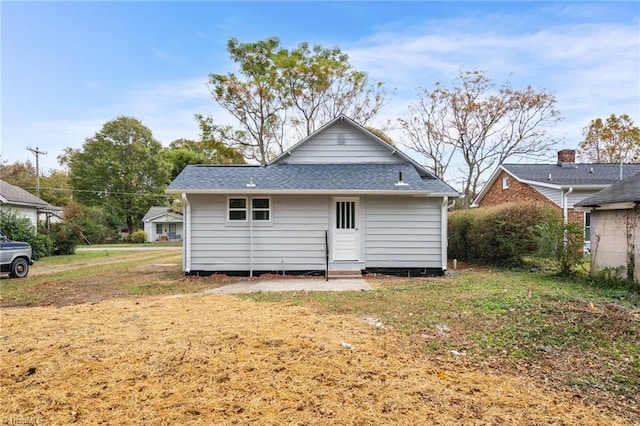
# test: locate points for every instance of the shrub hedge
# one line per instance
(19, 228)
(498, 235)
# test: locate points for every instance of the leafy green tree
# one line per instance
(479, 124)
(54, 188)
(121, 166)
(208, 150)
(279, 95)
(93, 223)
(179, 158)
(612, 140)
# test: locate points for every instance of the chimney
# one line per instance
(566, 156)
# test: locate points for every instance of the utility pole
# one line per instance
(37, 153)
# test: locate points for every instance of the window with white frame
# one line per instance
(237, 210)
(261, 209)
(587, 227)
(505, 182)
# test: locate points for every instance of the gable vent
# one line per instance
(342, 140)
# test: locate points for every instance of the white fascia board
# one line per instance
(172, 216)
(583, 209)
(564, 186)
(489, 184)
(353, 192)
(31, 205)
(616, 206)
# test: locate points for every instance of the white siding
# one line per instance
(399, 232)
(403, 232)
(151, 234)
(293, 240)
(555, 195)
(340, 143)
(28, 212)
(577, 196)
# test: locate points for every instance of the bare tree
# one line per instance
(478, 125)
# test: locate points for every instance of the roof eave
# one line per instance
(624, 205)
(25, 204)
(249, 191)
(172, 215)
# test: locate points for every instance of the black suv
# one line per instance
(15, 257)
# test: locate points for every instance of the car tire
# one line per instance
(19, 268)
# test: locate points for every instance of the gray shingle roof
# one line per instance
(329, 177)
(624, 191)
(156, 211)
(572, 174)
(16, 195)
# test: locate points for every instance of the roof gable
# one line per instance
(11, 194)
(158, 211)
(342, 140)
(561, 176)
(321, 164)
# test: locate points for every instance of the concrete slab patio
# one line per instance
(307, 284)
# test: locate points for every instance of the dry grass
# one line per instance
(223, 360)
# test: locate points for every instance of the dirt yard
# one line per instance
(216, 359)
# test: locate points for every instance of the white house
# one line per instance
(615, 228)
(22, 202)
(341, 201)
(162, 224)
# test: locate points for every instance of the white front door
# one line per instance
(346, 237)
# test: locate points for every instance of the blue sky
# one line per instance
(68, 67)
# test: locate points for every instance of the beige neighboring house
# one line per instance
(26, 204)
(615, 228)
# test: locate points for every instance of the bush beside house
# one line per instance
(500, 235)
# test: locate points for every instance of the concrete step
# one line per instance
(345, 274)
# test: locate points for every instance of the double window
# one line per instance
(239, 208)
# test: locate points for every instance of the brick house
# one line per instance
(562, 185)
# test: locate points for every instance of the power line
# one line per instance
(96, 191)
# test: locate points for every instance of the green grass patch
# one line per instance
(133, 245)
(87, 276)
